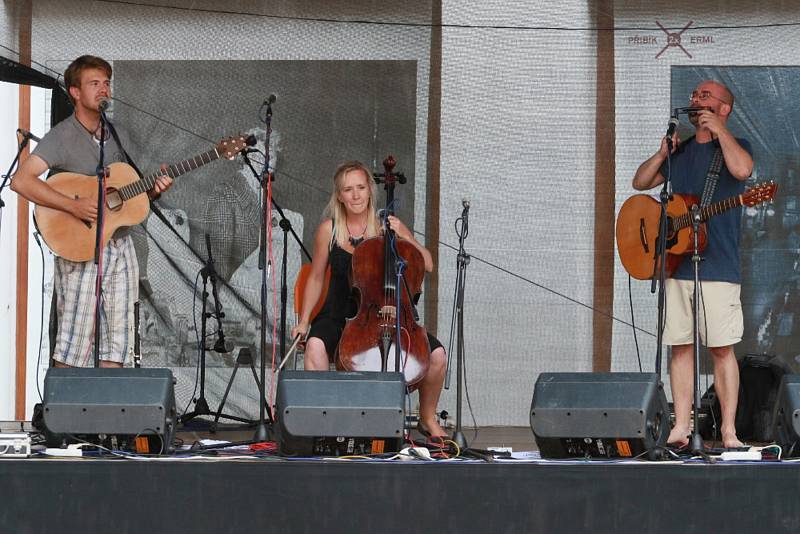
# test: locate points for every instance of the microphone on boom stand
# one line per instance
(28, 135)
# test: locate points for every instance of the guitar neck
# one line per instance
(173, 171)
(685, 220)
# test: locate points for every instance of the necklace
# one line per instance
(355, 239)
(95, 133)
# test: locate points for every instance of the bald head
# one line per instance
(718, 90)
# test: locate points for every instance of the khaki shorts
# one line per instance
(720, 311)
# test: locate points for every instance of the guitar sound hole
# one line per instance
(113, 199)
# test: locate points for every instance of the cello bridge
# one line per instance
(387, 312)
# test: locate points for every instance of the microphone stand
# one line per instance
(286, 226)
(462, 260)
(696, 440)
(264, 411)
(659, 263)
(7, 176)
(98, 246)
(208, 272)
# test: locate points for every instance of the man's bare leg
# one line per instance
(681, 375)
(726, 386)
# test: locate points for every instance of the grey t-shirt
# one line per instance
(69, 147)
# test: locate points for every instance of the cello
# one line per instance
(386, 311)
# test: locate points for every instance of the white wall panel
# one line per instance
(9, 96)
(518, 111)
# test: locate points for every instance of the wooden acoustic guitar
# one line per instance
(126, 203)
(637, 227)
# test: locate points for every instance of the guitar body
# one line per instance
(637, 227)
(637, 234)
(73, 239)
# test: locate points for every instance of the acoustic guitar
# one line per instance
(637, 227)
(126, 204)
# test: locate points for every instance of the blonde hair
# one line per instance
(335, 209)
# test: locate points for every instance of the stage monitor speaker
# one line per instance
(118, 408)
(786, 416)
(599, 415)
(339, 413)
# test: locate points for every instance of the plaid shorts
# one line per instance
(74, 284)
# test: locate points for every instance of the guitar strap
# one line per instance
(124, 152)
(712, 177)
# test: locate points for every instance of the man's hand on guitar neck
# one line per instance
(163, 182)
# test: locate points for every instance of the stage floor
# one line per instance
(518, 438)
(227, 494)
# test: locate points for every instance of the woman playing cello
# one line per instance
(352, 218)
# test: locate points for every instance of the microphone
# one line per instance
(103, 105)
(249, 141)
(220, 345)
(208, 249)
(465, 205)
(28, 135)
(673, 124)
(270, 100)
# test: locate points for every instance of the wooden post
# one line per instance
(433, 167)
(25, 24)
(605, 188)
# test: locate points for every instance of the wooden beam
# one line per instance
(432, 198)
(605, 188)
(24, 27)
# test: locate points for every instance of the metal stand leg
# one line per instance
(244, 358)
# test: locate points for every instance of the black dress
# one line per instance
(340, 304)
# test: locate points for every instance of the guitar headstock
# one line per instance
(763, 192)
(231, 146)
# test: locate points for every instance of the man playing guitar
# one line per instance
(73, 146)
(720, 309)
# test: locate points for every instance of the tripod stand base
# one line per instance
(263, 433)
(696, 443)
(460, 440)
(244, 358)
(200, 408)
